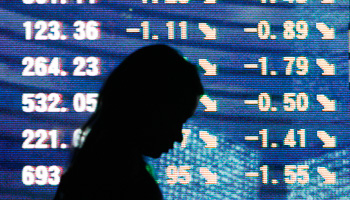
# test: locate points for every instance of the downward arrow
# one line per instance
(211, 141)
(329, 105)
(330, 178)
(210, 70)
(329, 142)
(209, 104)
(328, 33)
(210, 33)
(328, 70)
(212, 178)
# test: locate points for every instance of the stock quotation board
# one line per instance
(273, 122)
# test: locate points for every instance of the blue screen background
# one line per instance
(233, 120)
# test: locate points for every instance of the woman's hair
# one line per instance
(150, 75)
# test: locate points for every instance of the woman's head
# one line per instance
(157, 71)
(153, 91)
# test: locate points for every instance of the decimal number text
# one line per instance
(41, 175)
(59, 1)
(43, 66)
(37, 139)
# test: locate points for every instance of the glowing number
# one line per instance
(301, 102)
(290, 29)
(85, 102)
(171, 30)
(42, 135)
(39, 66)
(265, 174)
(39, 102)
(92, 63)
(264, 102)
(264, 30)
(28, 177)
(301, 175)
(41, 175)
(303, 30)
(29, 134)
(173, 173)
(263, 61)
(87, 30)
(289, 139)
(302, 64)
(145, 30)
(264, 137)
(55, 172)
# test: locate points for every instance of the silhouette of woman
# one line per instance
(140, 111)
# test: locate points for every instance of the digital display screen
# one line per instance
(273, 122)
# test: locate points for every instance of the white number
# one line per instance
(171, 29)
(28, 1)
(55, 175)
(265, 173)
(90, 1)
(183, 26)
(76, 138)
(43, 136)
(85, 102)
(87, 30)
(39, 66)
(303, 30)
(303, 66)
(28, 177)
(302, 63)
(51, 29)
(145, 30)
(79, 137)
(28, 102)
(293, 30)
(45, 1)
(173, 173)
(28, 30)
(301, 175)
(263, 61)
(301, 102)
(41, 175)
(55, 32)
(176, 1)
(290, 64)
(92, 64)
(264, 102)
(264, 137)
(290, 141)
(289, 1)
(40, 102)
(29, 134)
(264, 30)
